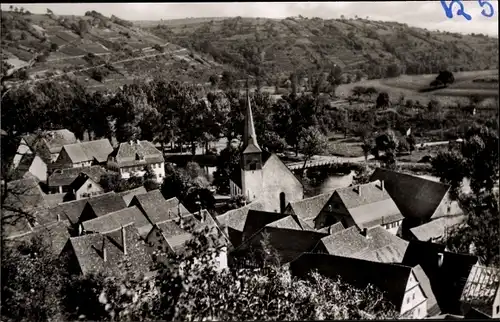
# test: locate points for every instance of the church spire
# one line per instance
(249, 136)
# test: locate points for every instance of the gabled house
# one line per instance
(482, 291)
(364, 206)
(233, 221)
(419, 200)
(60, 180)
(437, 229)
(33, 164)
(447, 272)
(71, 211)
(84, 154)
(262, 175)
(308, 209)
(117, 219)
(129, 194)
(101, 205)
(134, 157)
(108, 252)
(399, 283)
(158, 209)
(84, 187)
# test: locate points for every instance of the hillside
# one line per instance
(103, 52)
(271, 48)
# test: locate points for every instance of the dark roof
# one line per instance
(437, 228)
(88, 251)
(157, 208)
(425, 284)
(369, 205)
(106, 203)
(88, 151)
(26, 161)
(56, 235)
(127, 154)
(117, 219)
(290, 222)
(383, 246)
(256, 220)
(448, 279)
(415, 197)
(65, 177)
(310, 207)
(481, 288)
(335, 228)
(71, 210)
(233, 221)
(81, 180)
(129, 194)
(25, 194)
(389, 278)
(346, 242)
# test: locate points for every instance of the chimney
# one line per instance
(103, 250)
(440, 259)
(124, 241)
(282, 202)
(382, 185)
(137, 141)
(364, 231)
(359, 190)
(58, 217)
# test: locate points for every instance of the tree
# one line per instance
(445, 77)
(227, 161)
(214, 80)
(387, 143)
(433, 105)
(312, 142)
(383, 100)
(393, 70)
(228, 80)
(358, 91)
(158, 48)
(412, 142)
(370, 91)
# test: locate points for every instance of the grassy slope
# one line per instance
(281, 47)
(23, 36)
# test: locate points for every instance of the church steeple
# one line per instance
(249, 136)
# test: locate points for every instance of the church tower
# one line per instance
(251, 158)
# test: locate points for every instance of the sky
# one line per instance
(424, 14)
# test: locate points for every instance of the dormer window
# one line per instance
(139, 156)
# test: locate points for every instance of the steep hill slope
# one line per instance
(271, 47)
(104, 52)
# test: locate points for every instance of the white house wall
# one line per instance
(414, 302)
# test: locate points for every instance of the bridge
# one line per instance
(322, 163)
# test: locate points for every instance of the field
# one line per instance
(465, 85)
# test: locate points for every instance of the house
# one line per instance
(233, 221)
(447, 272)
(263, 175)
(172, 236)
(399, 283)
(158, 209)
(101, 205)
(435, 230)
(308, 209)
(482, 291)
(61, 179)
(71, 211)
(24, 207)
(117, 219)
(418, 199)
(129, 194)
(286, 235)
(32, 163)
(135, 157)
(108, 252)
(54, 236)
(47, 145)
(84, 154)
(84, 187)
(364, 206)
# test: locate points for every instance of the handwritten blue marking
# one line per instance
(483, 3)
(460, 12)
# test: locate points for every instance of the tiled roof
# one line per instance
(332, 229)
(25, 194)
(55, 235)
(55, 140)
(157, 208)
(436, 228)
(256, 220)
(88, 251)
(129, 194)
(310, 207)
(383, 247)
(81, 180)
(415, 197)
(54, 199)
(65, 177)
(346, 242)
(233, 221)
(482, 285)
(117, 219)
(129, 154)
(389, 278)
(26, 161)
(71, 210)
(87, 151)
(290, 222)
(106, 203)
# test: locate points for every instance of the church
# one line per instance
(262, 175)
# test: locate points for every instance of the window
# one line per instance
(413, 297)
(407, 300)
(498, 309)
(418, 311)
